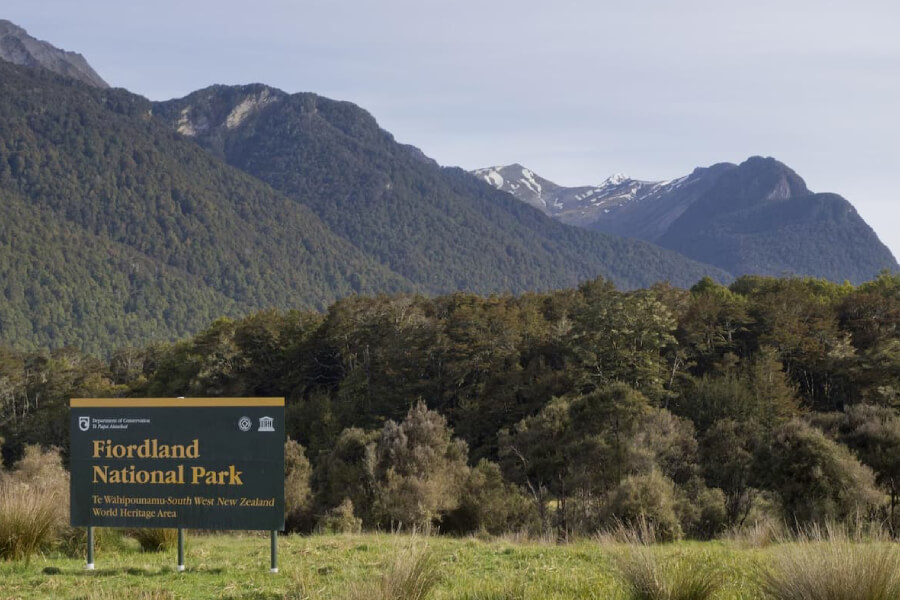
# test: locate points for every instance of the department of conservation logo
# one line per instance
(266, 424)
(244, 424)
(84, 423)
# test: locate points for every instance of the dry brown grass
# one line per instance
(411, 575)
(648, 576)
(640, 533)
(830, 563)
(155, 540)
(34, 503)
(757, 535)
(29, 520)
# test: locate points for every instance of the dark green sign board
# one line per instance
(200, 463)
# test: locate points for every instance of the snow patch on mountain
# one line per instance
(614, 179)
(581, 206)
(528, 180)
(495, 179)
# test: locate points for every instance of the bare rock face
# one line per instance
(211, 112)
(19, 48)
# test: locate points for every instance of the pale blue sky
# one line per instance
(573, 90)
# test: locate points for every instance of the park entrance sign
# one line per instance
(199, 463)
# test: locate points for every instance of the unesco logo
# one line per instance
(244, 424)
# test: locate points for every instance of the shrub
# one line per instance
(701, 510)
(42, 469)
(155, 540)
(666, 442)
(297, 493)
(817, 479)
(420, 469)
(348, 471)
(491, 504)
(340, 519)
(648, 577)
(646, 497)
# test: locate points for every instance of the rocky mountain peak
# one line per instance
(615, 179)
(19, 48)
(783, 182)
(523, 183)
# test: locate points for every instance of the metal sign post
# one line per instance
(180, 566)
(274, 564)
(90, 549)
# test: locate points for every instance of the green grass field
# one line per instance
(330, 567)
(236, 566)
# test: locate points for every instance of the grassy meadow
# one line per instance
(41, 556)
(375, 566)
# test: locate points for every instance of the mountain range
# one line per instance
(757, 217)
(438, 227)
(118, 225)
(125, 221)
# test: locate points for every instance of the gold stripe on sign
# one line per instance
(173, 402)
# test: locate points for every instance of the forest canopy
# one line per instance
(566, 411)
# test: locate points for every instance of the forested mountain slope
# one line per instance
(110, 219)
(439, 227)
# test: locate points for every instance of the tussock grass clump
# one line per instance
(833, 570)
(29, 520)
(73, 540)
(762, 534)
(649, 577)
(759, 534)
(412, 575)
(854, 530)
(769, 533)
(34, 503)
(155, 540)
(639, 532)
